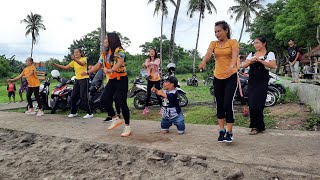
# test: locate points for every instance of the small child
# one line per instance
(171, 111)
(11, 88)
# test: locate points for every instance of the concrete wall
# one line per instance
(308, 93)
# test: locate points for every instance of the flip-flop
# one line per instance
(254, 131)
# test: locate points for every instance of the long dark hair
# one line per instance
(114, 43)
(225, 26)
(155, 54)
(263, 39)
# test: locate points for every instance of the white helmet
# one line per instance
(55, 73)
(171, 65)
(73, 78)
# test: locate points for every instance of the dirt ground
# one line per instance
(32, 156)
(290, 116)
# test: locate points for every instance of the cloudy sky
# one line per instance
(67, 20)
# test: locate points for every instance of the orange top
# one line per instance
(223, 56)
(109, 63)
(33, 80)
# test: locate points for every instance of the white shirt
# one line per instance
(270, 57)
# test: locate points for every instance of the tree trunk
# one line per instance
(161, 42)
(103, 24)
(173, 32)
(244, 17)
(195, 50)
(32, 48)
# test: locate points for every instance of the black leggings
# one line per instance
(120, 87)
(224, 91)
(150, 84)
(80, 91)
(35, 91)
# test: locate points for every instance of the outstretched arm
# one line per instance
(61, 66)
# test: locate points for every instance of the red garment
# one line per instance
(11, 87)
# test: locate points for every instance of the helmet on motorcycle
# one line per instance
(171, 67)
(55, 73)
(73, 78)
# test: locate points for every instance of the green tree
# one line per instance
(264, 25)
(298, 20)
(4, 66)
(161, 6)
(199, 6)
(246, 48)
(244, 10)
(90, 45)
(34, 25)
(173, 31)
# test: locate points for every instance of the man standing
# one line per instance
(294, 58)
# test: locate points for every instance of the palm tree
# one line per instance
(244, 9)
(103, 24)
(161, 5)
(201, 6)
(34, 24)
(173, 31)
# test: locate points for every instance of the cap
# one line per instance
(173, 80)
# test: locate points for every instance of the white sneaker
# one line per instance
(126, 132)
(30, 112)
(115, 123)
(88, 116)
(40, 113)
(72, 115)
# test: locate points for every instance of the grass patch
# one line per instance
(289, 97)
(313, 122)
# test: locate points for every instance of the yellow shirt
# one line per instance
(78, 69)
(33, 80)
(223, 56)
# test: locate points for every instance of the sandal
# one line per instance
(254, 131)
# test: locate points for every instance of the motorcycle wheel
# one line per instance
(183, 100)
(271, 99)
(55, 107)
(139, 100)
(276, 91)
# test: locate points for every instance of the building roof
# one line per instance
(309, 56)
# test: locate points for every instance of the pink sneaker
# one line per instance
(145, 111)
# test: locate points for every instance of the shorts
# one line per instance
(11, 94)
(22, 89)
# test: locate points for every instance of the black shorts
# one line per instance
(11, 94)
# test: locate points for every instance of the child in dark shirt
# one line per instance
(171, 111)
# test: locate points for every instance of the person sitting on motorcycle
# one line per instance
(260, 62)
(171, 110)
(152, 65)
(30, 73)
(80, 87)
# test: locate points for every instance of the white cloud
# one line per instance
(67, 20)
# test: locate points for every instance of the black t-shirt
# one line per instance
(293, 51)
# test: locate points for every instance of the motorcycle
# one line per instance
(271, 99)
(139, 91)
(61, 94)
(44, 94)
(193, 81)
(95, 92)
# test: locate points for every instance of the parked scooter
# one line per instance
(193, 81)
(271, 99)
(95, 92)
(61, 94)
(44, 94)
(139, 91)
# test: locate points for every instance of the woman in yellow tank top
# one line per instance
(226, 52)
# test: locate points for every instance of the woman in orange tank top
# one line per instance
(112, 62)
(226, 52)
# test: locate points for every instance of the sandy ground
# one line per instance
(55, 147)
